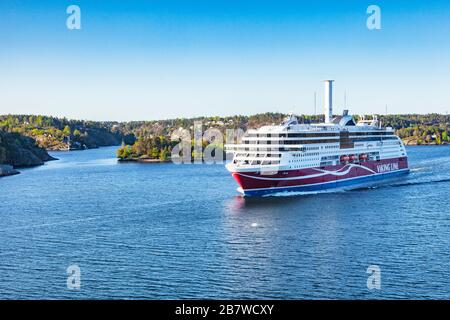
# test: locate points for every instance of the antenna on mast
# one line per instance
(345, 99)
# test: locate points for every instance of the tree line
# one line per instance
(151, 139)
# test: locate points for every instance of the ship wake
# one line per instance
(402, 184)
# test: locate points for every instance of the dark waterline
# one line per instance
(165, 231)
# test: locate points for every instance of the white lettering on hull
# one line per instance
(387, 167)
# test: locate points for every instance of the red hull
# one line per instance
(318, 175)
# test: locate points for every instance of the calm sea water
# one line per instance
(164, 231)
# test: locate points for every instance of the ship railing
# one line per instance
(276, 167)
(261, 159)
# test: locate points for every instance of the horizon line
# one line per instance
(220, 116)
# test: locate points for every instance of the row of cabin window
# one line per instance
(306, 154)
(303, 160)
(316, 134)
(290, 142)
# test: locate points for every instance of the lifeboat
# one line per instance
(363, 157)
(352, 157)
(344, 158)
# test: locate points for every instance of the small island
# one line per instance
(147, 150)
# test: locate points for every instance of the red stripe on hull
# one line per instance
(301, 177)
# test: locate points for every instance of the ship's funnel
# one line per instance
(328, 101)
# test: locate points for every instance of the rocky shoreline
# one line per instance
(143, 160)
(414, 142)
(18, 151)
(6, 170)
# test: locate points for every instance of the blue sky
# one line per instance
(143, 60)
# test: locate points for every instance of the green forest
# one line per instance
(62, 134)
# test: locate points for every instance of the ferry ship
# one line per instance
(294, 157)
